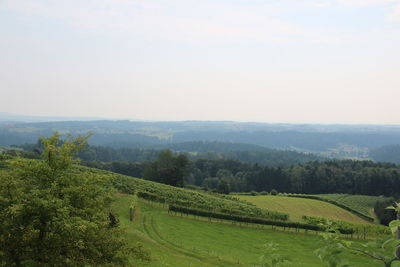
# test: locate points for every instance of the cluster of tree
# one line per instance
(345, 176)
(193, 150)
(102, 153)
(224, 175)
(134, 169)
(168, 168)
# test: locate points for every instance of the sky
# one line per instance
(292, 61)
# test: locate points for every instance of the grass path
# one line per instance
(297, 207)
(182, 241)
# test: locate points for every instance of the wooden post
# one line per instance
(398, 237)
(131, 214)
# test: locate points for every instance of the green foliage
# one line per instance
(272, 257)
(261, 221)
(357, 230)
(384, 214)
(188, 198)
(331, 251)
(185, 241)
(353, 208)
(51, 215)
(298, 207)
(361, 203)
(388, 153)
(333, 247)
(223, 187)
(274, 192)
(167, 168)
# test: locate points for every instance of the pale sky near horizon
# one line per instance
(316, 61)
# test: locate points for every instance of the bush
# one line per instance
(51, 215)
(274, 192)
(253, 193)
(384, 215)
(278, 221)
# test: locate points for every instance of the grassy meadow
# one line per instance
(297, 207)
(184, 241)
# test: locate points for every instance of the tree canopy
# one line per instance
(168, 169)
(52, 215)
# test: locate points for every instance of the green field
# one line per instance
(183, 241)
(360, 203)
(297, 207)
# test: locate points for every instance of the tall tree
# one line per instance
(167, 168)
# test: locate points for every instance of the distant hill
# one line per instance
(338, 141)
(390, 153)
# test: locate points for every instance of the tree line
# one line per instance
(335, 176)
(231, 175)
(193, 150)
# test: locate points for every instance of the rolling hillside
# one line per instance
(183, 241)
(297, 207)
(361, 203)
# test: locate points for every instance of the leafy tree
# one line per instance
(385, 215)
(52, 215)
(379, 250)
(223, 187)
(272, 257)
(167, 168)
(274, 192)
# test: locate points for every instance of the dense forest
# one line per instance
(193, 150)
(337, 176)
(390, 153)
(296, 175)
(346, 176)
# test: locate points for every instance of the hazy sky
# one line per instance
(246, 60)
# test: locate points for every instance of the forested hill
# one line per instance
(336, 140)
(390, 153)
(313, 177)
(224, 175)
(193, 150)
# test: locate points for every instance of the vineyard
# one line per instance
(231, 208)
(360, 203)
(360, 231)
(177, 225)
(336, 203)
(185, 241)
(170, 195)
(298, 207)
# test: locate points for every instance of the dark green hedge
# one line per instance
(182, 203)
(204, 213)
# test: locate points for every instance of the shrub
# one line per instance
(253, 193)
(274, 192)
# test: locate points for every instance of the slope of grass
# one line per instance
(184, 197)
(183, 241)
(297, 207)
(360, 203)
